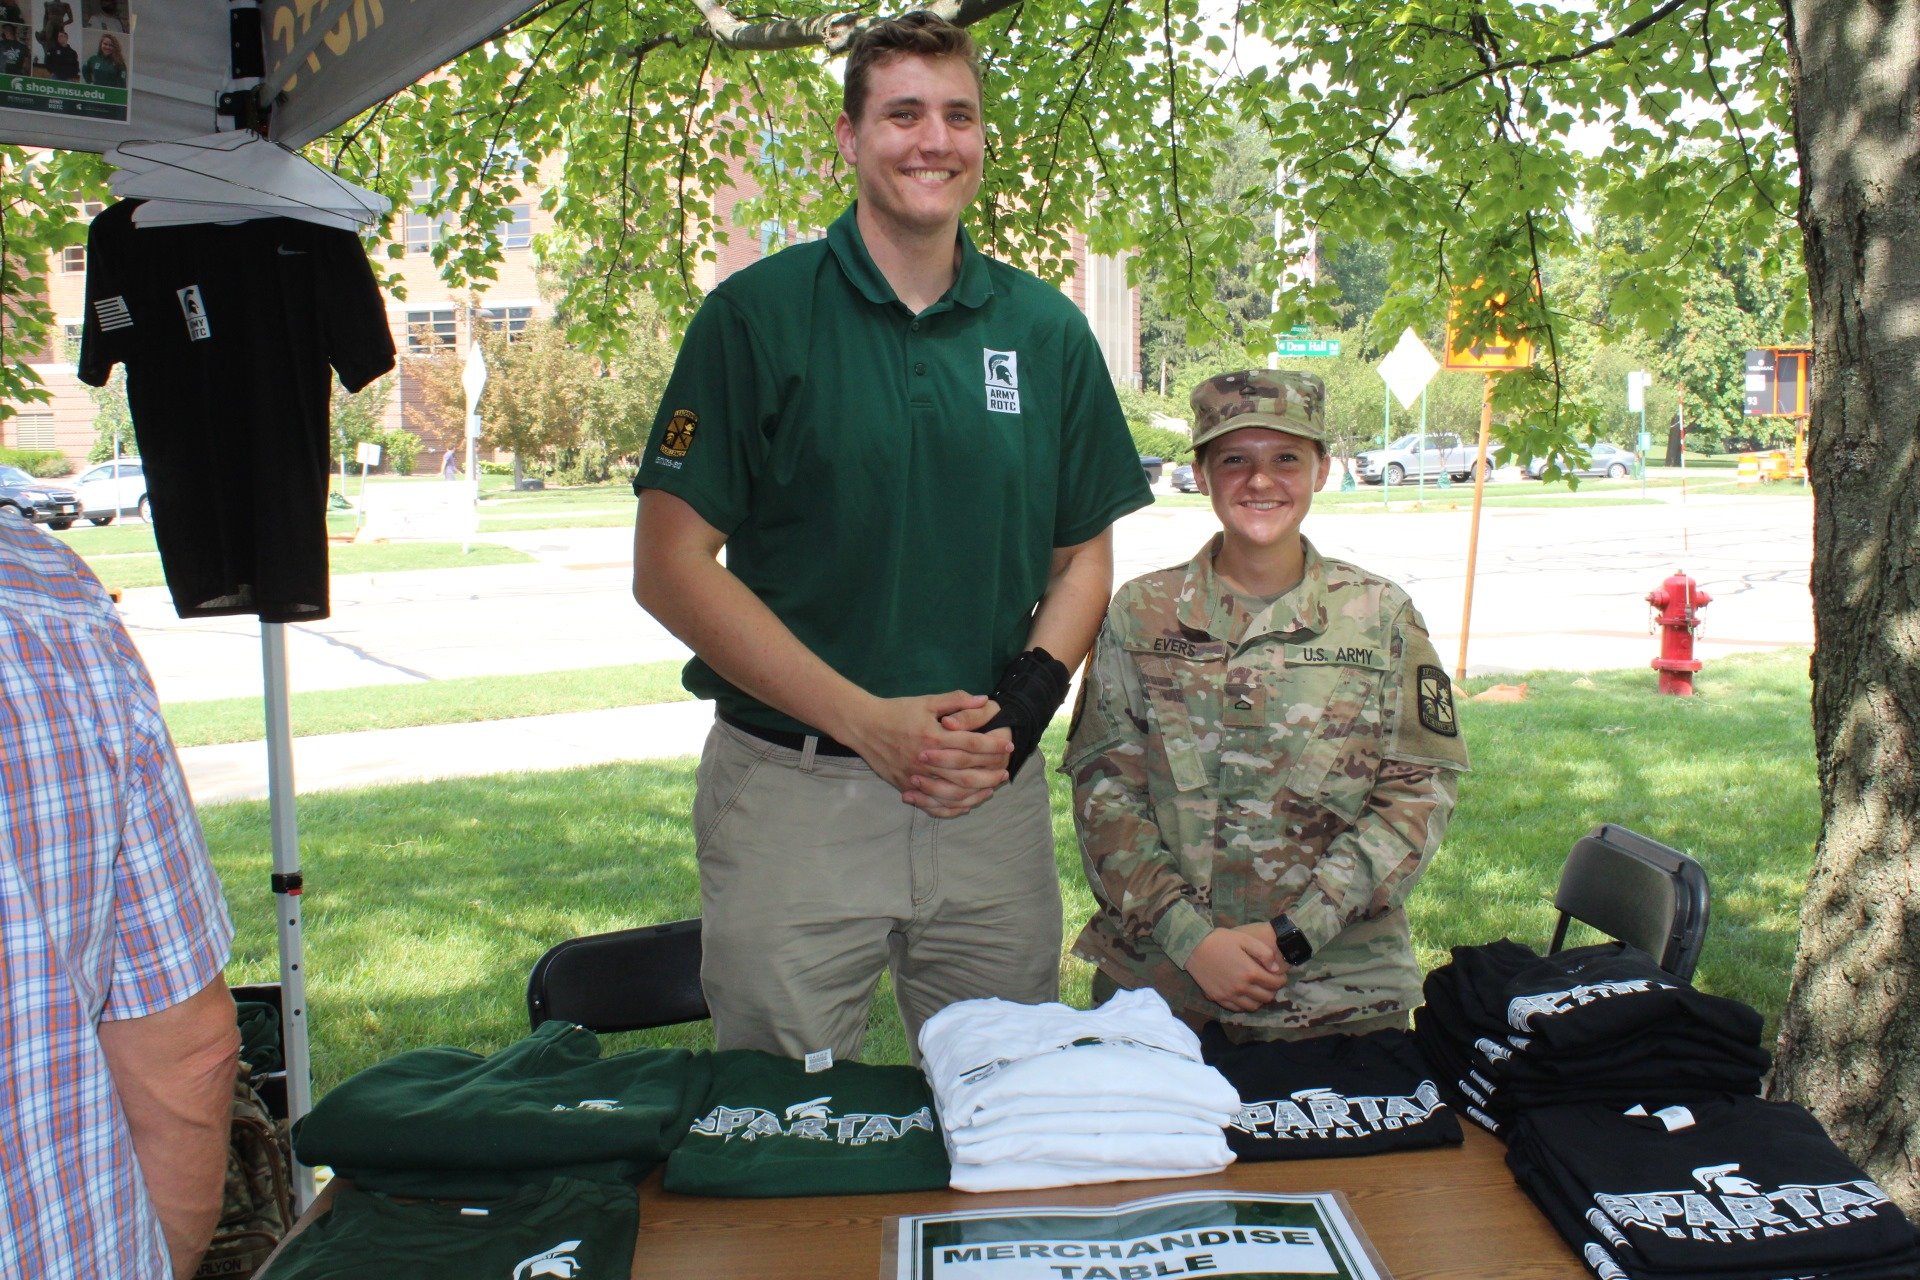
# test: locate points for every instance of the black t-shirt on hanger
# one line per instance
(231, 335)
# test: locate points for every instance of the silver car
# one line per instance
(1603, 459)
(113, 489)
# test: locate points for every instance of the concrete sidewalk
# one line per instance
(332, 762)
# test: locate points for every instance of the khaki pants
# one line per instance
(815, 876)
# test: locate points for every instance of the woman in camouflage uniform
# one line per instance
(1265, 752)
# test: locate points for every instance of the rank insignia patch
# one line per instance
(1436, 702)
(679, 434)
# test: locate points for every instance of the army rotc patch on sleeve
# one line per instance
(679, 434)
(1436, 701)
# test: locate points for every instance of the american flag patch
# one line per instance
(113, 313)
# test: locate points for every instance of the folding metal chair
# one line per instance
(623, 981)
(1637, 890)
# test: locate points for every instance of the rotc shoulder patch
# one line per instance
(1436, 701)
(679, 434)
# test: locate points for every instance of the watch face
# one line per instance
(1294, 947)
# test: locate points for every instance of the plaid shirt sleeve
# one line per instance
(172, 931)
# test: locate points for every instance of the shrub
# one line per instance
(44, 463)
(400, 447)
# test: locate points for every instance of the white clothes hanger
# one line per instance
(230, 177)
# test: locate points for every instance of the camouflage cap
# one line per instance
(1295, 403)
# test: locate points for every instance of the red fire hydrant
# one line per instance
(1678, 602)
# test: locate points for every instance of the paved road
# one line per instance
(1561, 589)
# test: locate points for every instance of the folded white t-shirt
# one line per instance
(1032, 1175)
(1101, 1150)
(1118, 1122)
(991, 1058)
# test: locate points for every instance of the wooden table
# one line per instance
(1446, 1214)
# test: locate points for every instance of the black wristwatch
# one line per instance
(1294, 947)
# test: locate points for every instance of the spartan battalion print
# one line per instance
(1522, 1012)
(1322, 1113)
(1334, 1095)
(769, 1127)
(1723, 1206)
(812, 1119)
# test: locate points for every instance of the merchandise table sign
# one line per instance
(1191, 1234)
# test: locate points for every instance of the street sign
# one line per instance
(1408, 368)
(1497, 354)
(473, 378)
(1301, 331)
(1637, 391)
(367, 453)
(1777, 381)
(1306, 346)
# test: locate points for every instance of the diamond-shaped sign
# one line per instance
(1408, 368)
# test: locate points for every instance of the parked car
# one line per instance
(32, 498)
(1183, 478)
(1152, 466)
(1603, 459)
(1444, 454)
(113, 489)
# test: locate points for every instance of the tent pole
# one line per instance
(286, 890)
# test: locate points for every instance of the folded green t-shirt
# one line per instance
(565, 1228)
(448, 1122)
(768, 1127)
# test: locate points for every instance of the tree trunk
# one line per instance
(1850, 1036)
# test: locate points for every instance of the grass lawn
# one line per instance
(197, 724)
(427, 905)
(125, 571)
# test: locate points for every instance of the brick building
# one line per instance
(437, 316)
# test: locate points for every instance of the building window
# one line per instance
(420, 233)
(33, 431)
(430, 330)
(511, 321)
(516, 228)
(73, 258)
(417, 231)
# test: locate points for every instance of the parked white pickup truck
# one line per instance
(1445, 454)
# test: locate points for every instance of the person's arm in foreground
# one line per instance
(678, 578)
(1079, 584)
(174, 1072)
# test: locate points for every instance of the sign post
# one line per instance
(1489, 358)
(1407, 369)
(367, 454)
(1637, 382)
(473, 380)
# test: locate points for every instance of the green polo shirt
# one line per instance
(891, 485)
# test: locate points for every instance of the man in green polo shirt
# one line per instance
(912, 455)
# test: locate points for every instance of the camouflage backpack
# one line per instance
(257, 1207)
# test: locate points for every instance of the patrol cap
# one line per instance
(1295, 403)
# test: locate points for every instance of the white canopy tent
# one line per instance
(298, 67)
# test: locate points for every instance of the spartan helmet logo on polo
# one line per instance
(1003, 380)
(678, 437)
(1436, 701)
(1719, 1177)
(557, 1261)
(812, 1109)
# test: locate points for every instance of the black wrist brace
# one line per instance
(1031, 689)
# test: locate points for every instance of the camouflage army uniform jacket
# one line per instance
(1229, 767)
